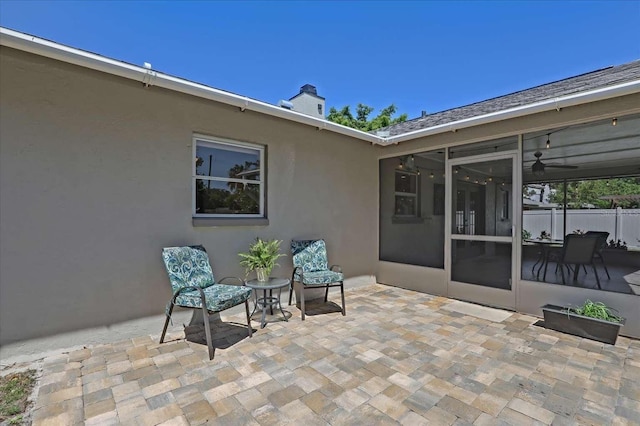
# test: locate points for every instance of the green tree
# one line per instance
(361, 120)
(584, 192)
(244, 197)
(239, 198)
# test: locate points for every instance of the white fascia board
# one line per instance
(49, 49)
(558, 103)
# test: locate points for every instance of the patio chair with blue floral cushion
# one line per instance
(195, 287)
(311, 269)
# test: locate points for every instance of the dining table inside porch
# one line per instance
(546, 248)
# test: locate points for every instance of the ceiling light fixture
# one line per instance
(614, 122)
(431, 175)
(548, 141)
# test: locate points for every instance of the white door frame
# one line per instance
(473, 292)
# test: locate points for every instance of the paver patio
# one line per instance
(398, 357)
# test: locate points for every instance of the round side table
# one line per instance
(269, 301)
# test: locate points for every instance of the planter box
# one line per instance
(621, 257)
(557, 318)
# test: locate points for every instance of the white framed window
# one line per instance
(228, 179)
(406, 194)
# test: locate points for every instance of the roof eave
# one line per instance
(557, 103)
(149, 77)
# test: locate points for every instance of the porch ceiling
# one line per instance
(598, 150)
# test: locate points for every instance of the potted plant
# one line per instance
(261, 257)
(592, 320)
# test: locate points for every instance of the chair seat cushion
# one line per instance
(218, 297)
(319, 277)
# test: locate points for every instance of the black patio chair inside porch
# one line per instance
(578, 250)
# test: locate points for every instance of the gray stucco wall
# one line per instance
(96, 179)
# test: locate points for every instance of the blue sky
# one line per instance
(418, 55)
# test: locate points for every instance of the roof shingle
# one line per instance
(585, 82)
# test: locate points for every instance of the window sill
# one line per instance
(229, 221)
(401, 220)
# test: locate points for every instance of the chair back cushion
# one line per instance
(579, 249)
(188, 266)
(310, 255)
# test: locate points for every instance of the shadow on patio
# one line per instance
(398, 357)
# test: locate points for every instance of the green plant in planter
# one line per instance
(526, 235)
(619, 245)
(261, 257)
(596, 310)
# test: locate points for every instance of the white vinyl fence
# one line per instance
(621, 224)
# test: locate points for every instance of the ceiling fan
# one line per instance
(538, 167)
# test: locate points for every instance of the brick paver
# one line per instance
(396, 358)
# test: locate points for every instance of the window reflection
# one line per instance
(214, 197)
(228, 178)
(217, 160)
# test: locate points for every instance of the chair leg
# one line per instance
(246, 307)
(302, 300)
(344, 307)
(166, 323)
(326, 294)
(207, 331)
(291, 291)
(605, 267)
(595, 271)
(534, 265)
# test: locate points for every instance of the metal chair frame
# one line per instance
(600, 245)
(588, 246)
(299, 270)
(334, 268)
(205, 311)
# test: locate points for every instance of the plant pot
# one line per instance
(263, 274)
(559, 319)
